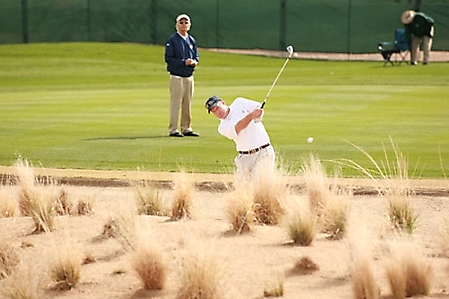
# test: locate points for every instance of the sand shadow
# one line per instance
(143, 293)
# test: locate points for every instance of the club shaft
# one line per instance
(275, 80)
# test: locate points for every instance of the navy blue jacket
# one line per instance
(177, 50)
(420, 26)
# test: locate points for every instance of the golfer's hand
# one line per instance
(258, 114)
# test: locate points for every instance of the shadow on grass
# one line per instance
(127, 137)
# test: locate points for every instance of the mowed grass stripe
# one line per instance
(105, 106)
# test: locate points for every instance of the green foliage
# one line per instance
(105, 106)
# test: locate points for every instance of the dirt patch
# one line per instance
(214, 183)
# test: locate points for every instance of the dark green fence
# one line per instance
(347, 26)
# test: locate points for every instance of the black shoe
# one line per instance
(191, 133)
(424, 63)
(413, 63)
(176, 134)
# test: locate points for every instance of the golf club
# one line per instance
(290, 53)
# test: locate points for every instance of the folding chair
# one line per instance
(400, 47)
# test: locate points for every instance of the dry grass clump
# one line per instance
(42, 203)
(270, 191)
(316, 184)
(9, 259)
(394, 169)
(408, 273)
(364, 285)
(149, 200)
(149, 264)
(182, 197)
(65, 269)
(335, 214)
(85, 207)
(330, 208)
(63, 206)
(240, 211)
(26, 282)
(275, 288)
(122, 227)
(38, 203)
(8, 203)
(200, 274)
(301, 226)
(401, 215)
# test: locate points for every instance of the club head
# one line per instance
(290, 50)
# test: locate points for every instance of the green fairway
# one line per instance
(105, 106)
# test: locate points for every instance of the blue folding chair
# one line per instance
(400, 48)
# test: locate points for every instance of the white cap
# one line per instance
(182, 16)
(407, 16)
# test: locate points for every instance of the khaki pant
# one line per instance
(181, 93)
(426, 46)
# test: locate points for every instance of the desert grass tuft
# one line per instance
(335, 215)
(401, 215)
(408, 273)
(8, 203)
(85, 207)
(182, 197)
(9, 259)
(392, 170)
(36, 199)
(65, 269)
(63, 206)
(148, 262)
(122, 227)
(301, 225)
(270, 191)
(201, 275)
(39, 205)
(317, 185)
(26, 282)
(240, 211)
(149, 200)
(275, 288)
(364, 285)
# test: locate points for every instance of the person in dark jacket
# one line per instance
(420, 27)
(181, 56)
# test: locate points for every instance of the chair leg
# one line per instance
(387, 57)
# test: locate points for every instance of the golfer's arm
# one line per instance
(243, 123)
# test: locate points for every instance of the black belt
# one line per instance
(255, 150)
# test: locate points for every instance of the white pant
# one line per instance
(248, 165)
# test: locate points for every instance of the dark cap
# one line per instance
(212, 102)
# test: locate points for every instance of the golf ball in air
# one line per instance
(310, 139)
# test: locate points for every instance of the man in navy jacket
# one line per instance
(181, 56)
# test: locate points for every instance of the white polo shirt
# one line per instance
(252, 136)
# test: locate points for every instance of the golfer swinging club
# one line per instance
(241, 122)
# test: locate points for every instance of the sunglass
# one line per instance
(182, 23)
